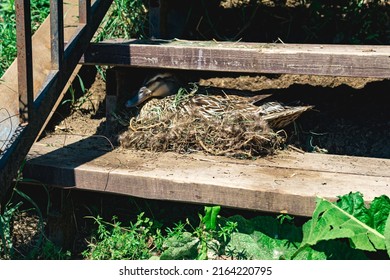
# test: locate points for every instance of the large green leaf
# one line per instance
(264, 237)
(180, 247)
(210, 217)
(380, 210)
(260, 246)
(387, 235)
(353, 203)
(330, 221)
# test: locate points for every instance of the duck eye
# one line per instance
(144, 91)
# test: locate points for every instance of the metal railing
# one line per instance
(64, 59)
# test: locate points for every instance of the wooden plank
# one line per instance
(331, 60)
(278, 184)
(323, 163)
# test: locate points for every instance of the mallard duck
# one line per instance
(160, 85)
(276, 114)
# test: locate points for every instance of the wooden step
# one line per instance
(285, 183)
(331, 60)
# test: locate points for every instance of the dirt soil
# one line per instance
(257, 83)
(88, 114)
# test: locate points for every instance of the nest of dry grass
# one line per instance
(164, 125)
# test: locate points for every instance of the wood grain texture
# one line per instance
(286, 183)
(330, 60)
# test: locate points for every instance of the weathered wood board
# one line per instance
(287, 183)
(331, 60)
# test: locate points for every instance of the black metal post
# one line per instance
(25, 67)
(57, 33)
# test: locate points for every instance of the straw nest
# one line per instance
(217, 125)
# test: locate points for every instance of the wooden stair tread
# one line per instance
(287, 183)
(311, 59)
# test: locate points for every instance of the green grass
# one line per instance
(39, 11)
(126, 19)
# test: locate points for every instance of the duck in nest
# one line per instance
(276, 114)
(160, 85)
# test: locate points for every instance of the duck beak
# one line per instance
(140, 97)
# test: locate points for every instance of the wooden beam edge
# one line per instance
(165, 189)
(362, 61)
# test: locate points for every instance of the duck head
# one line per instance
(160, 85)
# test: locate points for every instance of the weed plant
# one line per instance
(115, 242)
(144, 239)
(6, 242)
(126, 19)
(39, 11)
(77, 103)
(349, 21)
(346, 229)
